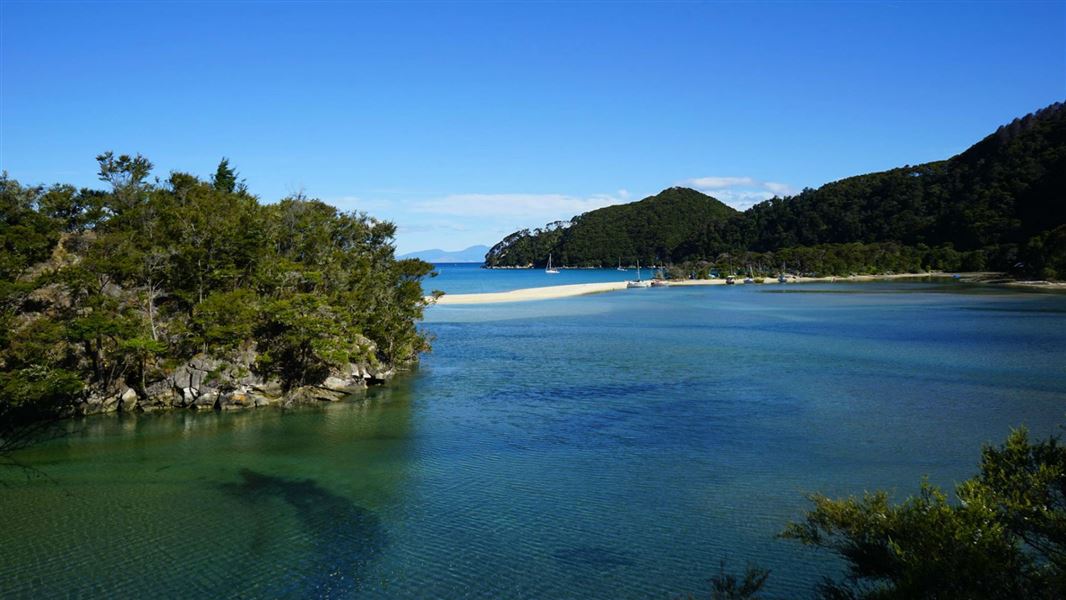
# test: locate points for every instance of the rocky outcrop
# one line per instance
(206, 383)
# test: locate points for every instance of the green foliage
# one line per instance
(106, 287)
(225, 319)
(1003, 538)
(26, 235)
(1025, 483)
(225, 178)
(676, 225)
(995, 206)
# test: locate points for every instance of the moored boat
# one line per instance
(638, 282)
(550, 270)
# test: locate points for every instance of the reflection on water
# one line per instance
(611, 446)
(261, 503)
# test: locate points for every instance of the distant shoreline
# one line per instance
(582, 289)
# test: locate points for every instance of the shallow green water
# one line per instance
(611, 446)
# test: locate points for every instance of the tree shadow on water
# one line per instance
(343, 536)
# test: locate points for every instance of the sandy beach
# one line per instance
(582, 289)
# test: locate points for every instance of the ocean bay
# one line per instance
(617, 445)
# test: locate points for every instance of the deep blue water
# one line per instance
(609, 446)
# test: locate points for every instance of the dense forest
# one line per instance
(186, 292)
(999, 205)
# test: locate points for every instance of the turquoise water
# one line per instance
(468, 278)
(609, 446)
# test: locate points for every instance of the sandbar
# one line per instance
(582, 289)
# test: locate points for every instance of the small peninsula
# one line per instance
(185, 293)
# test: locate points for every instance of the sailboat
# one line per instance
(639, 283)
(620, 265)
(751, 276)
(550, 270)
(782, 278)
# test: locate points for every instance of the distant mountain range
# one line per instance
(473, 254)
(1000, 205)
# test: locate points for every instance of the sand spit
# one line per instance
(582, 289)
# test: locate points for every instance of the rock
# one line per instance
(344, 385)
(161, 395)
(312, 395)
(159, 388)
(382, 375)
(271, 389)
(188, 396)
(258, 400)
(193, 374)
(205, 364)
(207, 399)
(110, 404)
(95, 404)
(233, 400)
(234, 385)
(128, 400)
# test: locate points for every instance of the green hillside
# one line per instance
(998, 205)
(672, 225)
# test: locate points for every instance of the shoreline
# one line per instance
(583, 289)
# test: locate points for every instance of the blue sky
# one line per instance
(462, 122)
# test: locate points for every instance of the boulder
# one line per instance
(194, 373)
(312, 395)
(382, 375)
(110, 403)
(128, 400)
(260, 400)
(188, 396)
(207, 399)
(161, 395)
(234, 400)
(270, 389)
(346, 385)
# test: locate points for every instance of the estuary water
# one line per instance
(470, 278)
(611, 446)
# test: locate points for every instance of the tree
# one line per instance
(1003, 538)
(104, 290)
(225, 178)
(127, 175)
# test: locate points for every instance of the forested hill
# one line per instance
(999, 205)
(191, 293)
(666, 226)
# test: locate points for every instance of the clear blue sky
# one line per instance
(464, 121)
